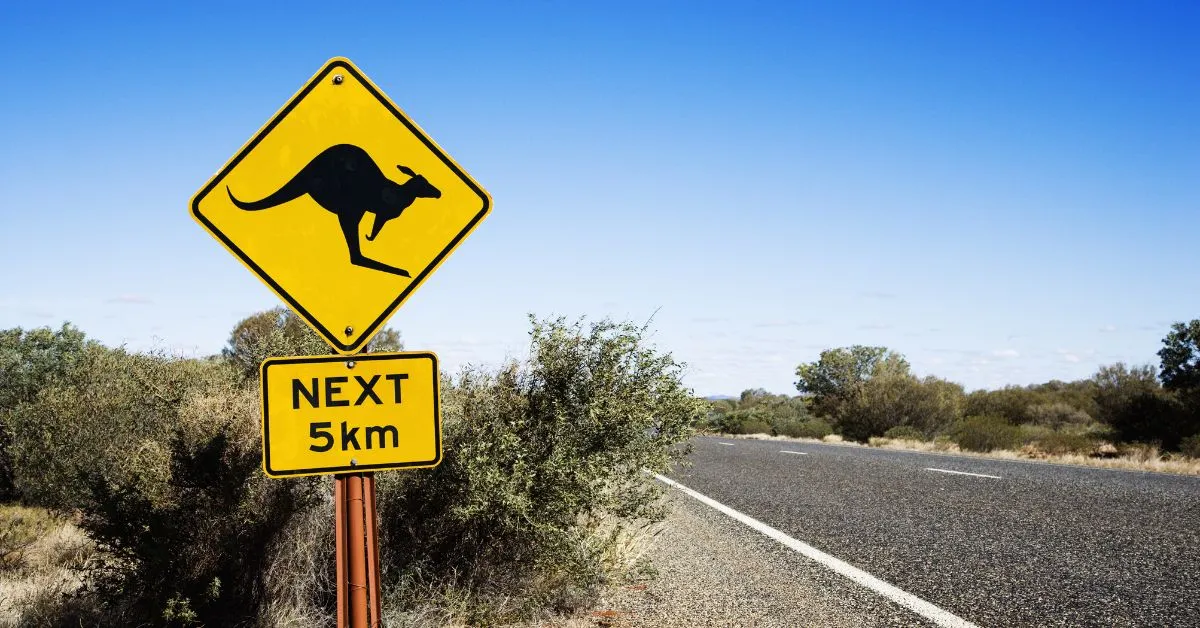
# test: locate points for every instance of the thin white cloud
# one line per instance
(130, 299)
(1069, 356)
(785, 323)
(1108, 329)
(1006, 353)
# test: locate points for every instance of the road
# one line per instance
(1031, 545)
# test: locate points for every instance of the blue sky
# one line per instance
(1003, 192)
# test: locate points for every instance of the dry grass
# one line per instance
(944, 446)
(1137, 459)
(625, 560)
(1130, 458)
(301, 572)
(834, 439)
(621, 552)
(41, 556)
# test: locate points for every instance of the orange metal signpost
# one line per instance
(358, 604)
(303, 206)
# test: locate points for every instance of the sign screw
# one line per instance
(354, 462)
(350, 364)
(349, 330)
(337, 79)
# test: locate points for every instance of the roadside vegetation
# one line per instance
(131, 488)
(1144, 416)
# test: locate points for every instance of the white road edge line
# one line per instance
(933, 613)
(725, 444)
(798, 453)
(978, 475)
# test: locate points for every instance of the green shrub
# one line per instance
(739, 421)
(889, 400)
(983, 434)
(544, 468)
(1057, 415)
(812, 428)
(1160, 417)
(755, 407)
(162, 457)
(1030, 433)
(750, 426)
(1008, 403)
(112, 413)
(905, 432)
(1015, 403)
(29, 361)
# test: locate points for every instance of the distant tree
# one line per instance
(839, 373)
(1139, 409)
(1155, 417)
(279, 332)
(756, 410)
(1117, 385)
(753, 397)
(1080, 395)
(893, 399)
(386, 340)
(1028, 404)
(1008, 403)
(272, 333)
(1181, 357)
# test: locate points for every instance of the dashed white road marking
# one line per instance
(936, 614)
(725, 444)
(978, 475)
(798, 453)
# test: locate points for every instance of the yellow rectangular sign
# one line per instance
(337, 414)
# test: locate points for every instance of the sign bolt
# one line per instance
(354, 462)
(349, 330)
(337, 79)
(350, 364)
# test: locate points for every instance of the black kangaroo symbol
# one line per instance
(345, 181)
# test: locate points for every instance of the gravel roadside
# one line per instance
(714, 571)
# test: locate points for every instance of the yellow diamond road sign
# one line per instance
(342, 205)
(323, 414)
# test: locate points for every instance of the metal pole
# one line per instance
(357, 581)
(339, 532)
(369, 514)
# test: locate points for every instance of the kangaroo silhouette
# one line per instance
(344, 180)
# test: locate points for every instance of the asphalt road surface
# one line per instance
(1017, 544)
